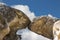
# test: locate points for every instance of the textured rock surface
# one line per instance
(16, 20)
(4, 28)
(43, 26)
(56, 30)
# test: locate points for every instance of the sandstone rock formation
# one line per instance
(16, 19)
(43, 26)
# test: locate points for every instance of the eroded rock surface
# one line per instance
(43, 26)
(16, 19)
(4, 28)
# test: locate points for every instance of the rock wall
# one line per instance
(16, 20)
(43, 26)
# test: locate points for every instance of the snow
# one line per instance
(26, 34)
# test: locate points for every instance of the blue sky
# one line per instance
(39, 7)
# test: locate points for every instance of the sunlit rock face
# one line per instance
(56, 30)
(4, 28)
(43, 26)
(16, 20)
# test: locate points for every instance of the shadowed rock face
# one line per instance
(7, 12)
(16, 19)
(43, 26)
(4, 28)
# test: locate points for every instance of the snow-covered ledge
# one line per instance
(26, 34)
